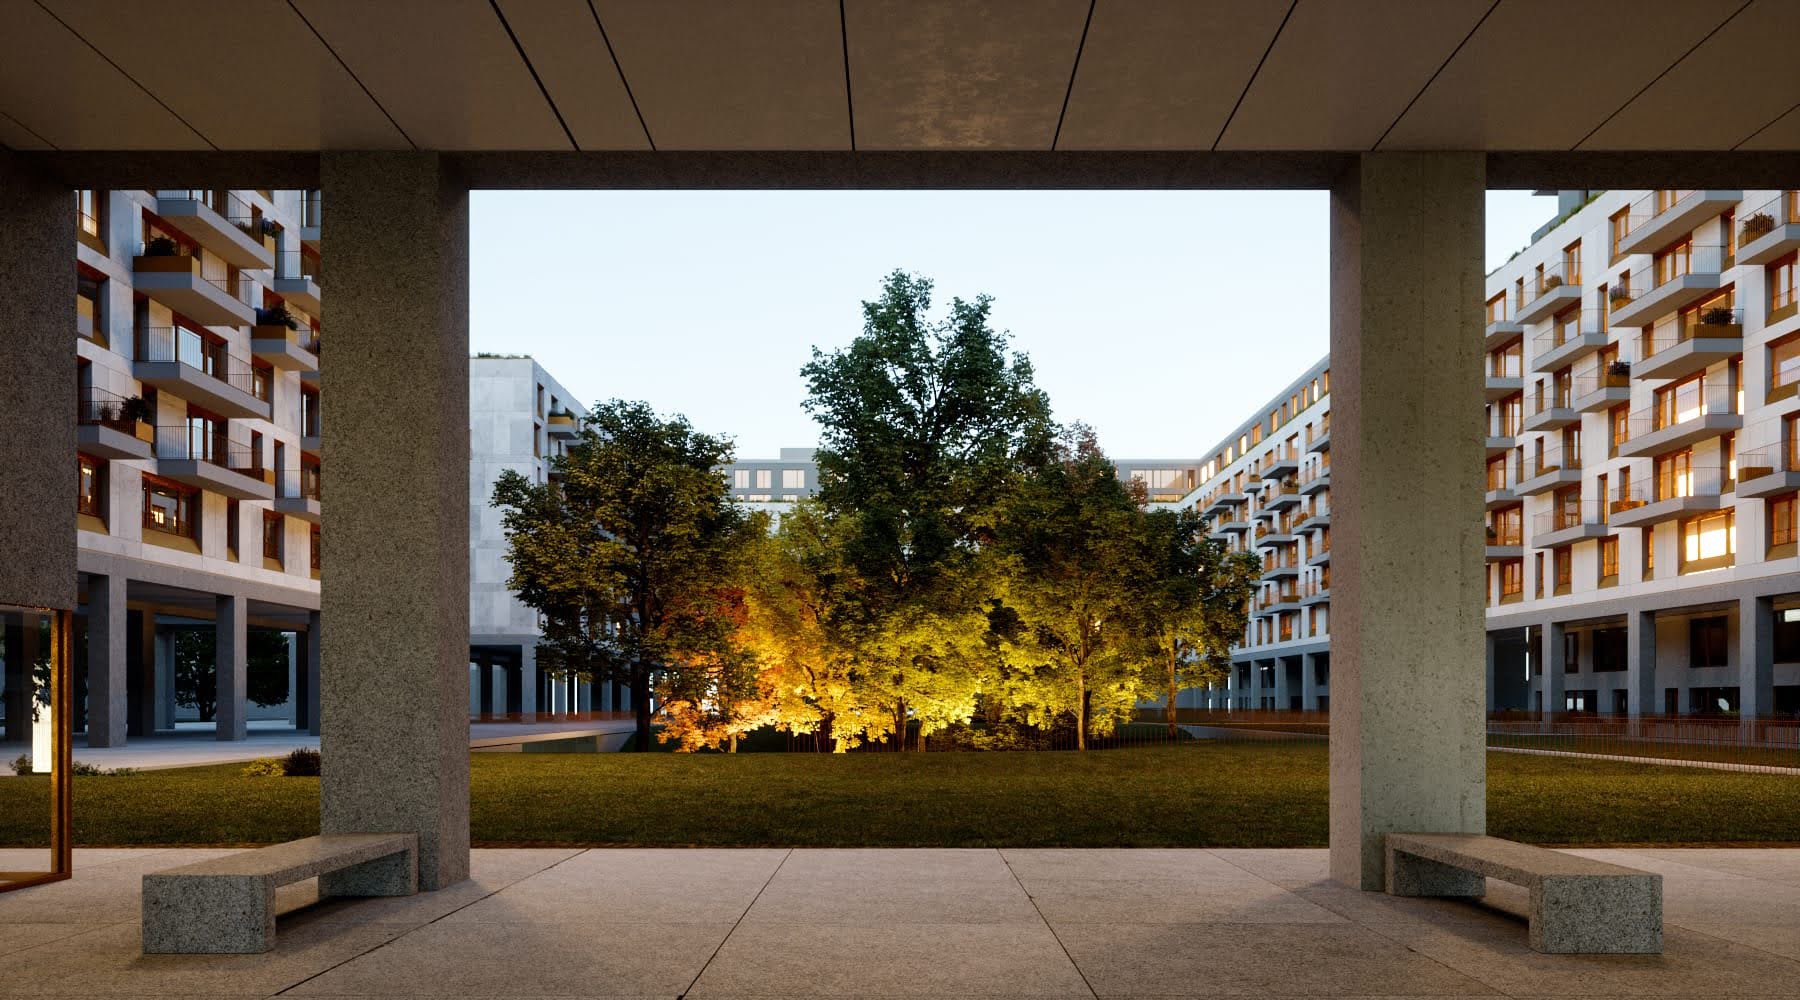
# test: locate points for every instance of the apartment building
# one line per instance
(1166, 480)
(520, 419)
(1643, 463)
(773, 485)
(196, 352)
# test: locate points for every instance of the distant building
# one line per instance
(1166, 480)
(774, 485)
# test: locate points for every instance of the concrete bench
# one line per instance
(1578, 906)
(226, 906)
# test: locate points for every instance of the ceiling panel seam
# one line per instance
(1438, 72)
(1074, 69)
(620, 69)
(1766, 126)
(529, 68)
(1253, 74)
(134, 81)
(34, 132)
(1666, 71)
(352, 74)
(849, 96)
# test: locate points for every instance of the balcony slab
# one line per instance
(1603, 398)
(304, 508)
(1504, 553)
(1552, 418)
(1680, 435)
(1503, 497)
(1315, 484)
(1547, 480)
(196, 386)
(1694, 354)
(303, 292)
(1569, 351)
(1572, 533)
(102, 441)
(1658, 511)
(215, 232)
(241, 485)
(1503, 332)
(1760, 484)
(1502, 386)
(1778, 242)
(281, 349)
(1664, 299)
(191, 295)
(1678, 220)
(1550, 302)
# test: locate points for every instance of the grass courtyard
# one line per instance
(1194, 795)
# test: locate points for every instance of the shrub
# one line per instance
(21, 766)
(1618, 368)
(264, 767)
(1552, 281)
(162, 246)
(1760, 224)
(302, 763)
(1618, 293)
(276, 315)
(1716, 316)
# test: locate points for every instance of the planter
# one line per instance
(144, 431)
(1748, 472)
(174, 264)
(1723, 331)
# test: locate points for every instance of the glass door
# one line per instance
(34, 742)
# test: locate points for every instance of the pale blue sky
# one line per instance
(1161, 318)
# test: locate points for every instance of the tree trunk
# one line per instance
(1171, 710)
(1081, 711)
(823, 743)
(732, 746)
(640, 704)
(900, 725)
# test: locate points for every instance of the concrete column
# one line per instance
(1309, 682)
(1281, 683)
(1642, 697)
(1256, 686)
(311, 667)
(528, 681)
(231, 669)
(1756, 657)
(498, 687)
(108, 699)
(395, 576)
(141, 673)
(160, 677)
(37, 388)
(1493, 663)
(1550, 650)
(1408, 746)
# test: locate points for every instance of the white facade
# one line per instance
(1643, 453)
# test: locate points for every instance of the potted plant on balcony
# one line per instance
(134, 410)
(1720, 318)
(1618, 375)
(161, 246)
(1492, 535)
(1760, 224)
(1550, 281)
(1618, 295)
(277, 315)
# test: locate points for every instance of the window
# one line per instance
(91, 498)
(1706, 642)
(90, 304)
(1512, 579)
(537, 440)
(315, 548)
(1572, 263)
(1674, 262)
(740, 479)
(1728, 235)
(540, 400)
(274, 528)
(1708, 541)
(232, 520)
(1496, 313)
(1784, 366)
(169, 508)
(1675, 475)
(1649, 553)
(1787, 635)
(1780, 279)
(1564, 559)
(1617, 226)
(1537, 574)
(795, 479)
(1681, 402)
(1782, 524)
(1619, 421)
(309, 412)
(1506, 525)
(1609, 560)
(765, 479)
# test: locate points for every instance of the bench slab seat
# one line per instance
(226, 906)
(1578, 905)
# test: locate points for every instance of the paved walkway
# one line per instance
(894, 923)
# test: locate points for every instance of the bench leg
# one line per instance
(208, 915)
(394, 875)
(1411, 875)
(1586, 915)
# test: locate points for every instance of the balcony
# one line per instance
(1315, 594)
(1690, 417)
(1662, 217)
(1569, 522)
(1501, 386)
(1549, 293)
(1280, 571)
(1222, 503)
(299, 493)
(1718, 336)
(1229, 529)
(1320, 444)
(1548, 471)
(209, 460)
(1313, 522)
(1694, 491)
(1666, 286)
(1550, 411)
(1502, 553)
(178, 361)
(1770, 231)
(1278, 466)
(1316, 482)
(108, 425)
(235, 233)
(311, 215)
(285, 347)
(1502, 434)
(1501, 332)
(1274, 537)
(1285, 495)
(173, 279)
(1501, 495)
(1763, 474)
(562, 425)
(1563, 347)
(297, 281)
(1603, 391)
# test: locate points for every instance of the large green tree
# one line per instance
(1192, 604)
(196, 669)
(922, 421)
(626, 551)
(1073, 542)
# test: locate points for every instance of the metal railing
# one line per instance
(1781, 210)
(198, 443)
(1766, 462)
(1552, 459)
(1671, 482)
(1584, 322)
(1697, 260)
(174, 343)
(297, 264)
(1566, 514)
(109, 409)
(1559, 275)
(1648, 208)
(1505, 531)
(1711, 323)
(232, 284)
(299, 484)
(1547, 394)
(1682, 405)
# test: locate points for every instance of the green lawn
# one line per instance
(1200, 794)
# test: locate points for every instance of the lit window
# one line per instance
(1712, 537)
(793, 479)
(740, 479)
(765, 479)
(90, 499)
(168, 508)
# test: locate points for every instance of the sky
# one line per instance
(1163, 319)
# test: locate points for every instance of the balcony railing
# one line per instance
(1505, 533)
(295, 264)
(1587, 321)
(1568, 514)
(107, 409)
(1561, 275)
(300, 484)
(1712, 323)
(1781, 210)
(1683, 406)
(167, 343)
(1691, 260)
(232, 285)
(196, 443)
(1548, 395)
(1671, 483)
(1552, 460)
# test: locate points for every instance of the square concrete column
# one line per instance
(1640, 663)
(1309, 681)
(19, 649)
(108, 686)
(1550, 650)
(1281, 684)
(231, 718)
(393, 677)
(37, 388)
(1256, 684)
(528, 681)
(1756, 657)
(310, 666)
(141, 674)
(1408, 746)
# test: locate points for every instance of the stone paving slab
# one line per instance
(891, 924)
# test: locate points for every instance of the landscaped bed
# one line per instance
(1194, 795)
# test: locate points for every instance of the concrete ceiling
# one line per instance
(726, 75)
